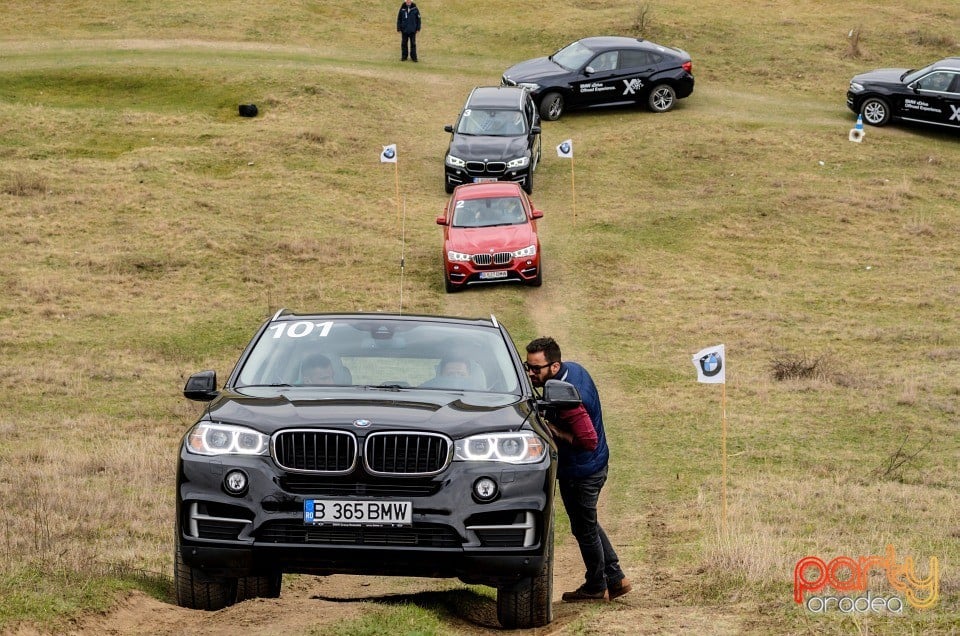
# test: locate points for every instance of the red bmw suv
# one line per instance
(490, 236)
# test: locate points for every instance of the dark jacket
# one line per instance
(579, 463)
(408, 19)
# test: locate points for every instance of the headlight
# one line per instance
(457, 256)
(455, 162)
(209, 438)
(856, 88)
(530, 86)
(522, 162)
(523, 447)
(530, 250)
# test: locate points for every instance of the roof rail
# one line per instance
(494, 320)
(279, 313)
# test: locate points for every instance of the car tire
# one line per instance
(528, 182)
(448, 286)
(529, 603)
(875, 111)
(537, 280)
(196, 590)
(662, 98)
(259, 586)
(551, 106)
(447, 186)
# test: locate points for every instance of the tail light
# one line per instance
(687, 66)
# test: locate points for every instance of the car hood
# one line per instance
(484, 148)
(503, 238)
(452, 413)
(534, 70)
(881, 76)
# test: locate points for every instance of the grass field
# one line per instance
(148, 230)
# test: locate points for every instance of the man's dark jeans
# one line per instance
(580, 499)
(412, 39)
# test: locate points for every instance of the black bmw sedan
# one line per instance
(605, 71)
(930, 95)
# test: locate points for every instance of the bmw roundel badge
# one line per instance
(711, 364)
(362, 423)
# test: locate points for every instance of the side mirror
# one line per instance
(448, 128)
(535, 130)
(442, 219)
(589, 70)
(201, 387)
(560, 394)
(537, 214)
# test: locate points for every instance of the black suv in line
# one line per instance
(496, 138)
(605, 71)
(343, 444)
(930, 95)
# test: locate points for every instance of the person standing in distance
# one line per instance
(408, 25)
(581, 473)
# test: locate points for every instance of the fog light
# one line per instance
(485, 489)
(235, 482)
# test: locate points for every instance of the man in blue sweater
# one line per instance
(581, 474)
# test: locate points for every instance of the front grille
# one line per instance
(486, 167)
(322, 486)
(315, 451)
(500, 258)
(417, 536)
(407, 453)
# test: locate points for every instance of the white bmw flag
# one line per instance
(711, 365)
(565, 149)
(389, 154)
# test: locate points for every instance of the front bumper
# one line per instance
(519, 270)
(459, 176)
(451, 535)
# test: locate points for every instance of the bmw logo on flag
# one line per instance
(711, 364)
(565, 148)
(389, 153)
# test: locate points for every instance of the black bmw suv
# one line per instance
(340, 443)
(605, 71)
(496, 138)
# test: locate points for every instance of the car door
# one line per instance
(636, 69)
(532, 116)
(597, 82)
(935, 99)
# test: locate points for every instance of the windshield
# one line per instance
(489, 212)
(495, 123)
(911, 76)
(380, 352)
(573, 56)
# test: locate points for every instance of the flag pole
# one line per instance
(573, 189)
(723, 455)
(403, 245)
(396, 173)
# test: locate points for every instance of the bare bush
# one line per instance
(801, 367)
(892, 468)
(24, 185)
(643, 19)
(854, 40)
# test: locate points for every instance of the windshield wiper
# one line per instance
(389, 387)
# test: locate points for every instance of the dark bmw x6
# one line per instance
(930, 95)
(496, 138)
(605, 71)
(341, 444)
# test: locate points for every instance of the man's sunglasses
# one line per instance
(536, 368)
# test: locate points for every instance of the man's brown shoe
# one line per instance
(580, 594)
(619, 589)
